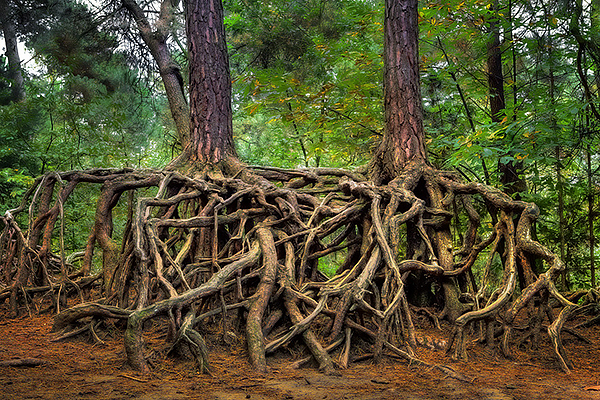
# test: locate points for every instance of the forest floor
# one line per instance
(77, 369)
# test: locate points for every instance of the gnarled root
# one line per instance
(322, 256)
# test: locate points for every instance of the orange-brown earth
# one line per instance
(77, 369)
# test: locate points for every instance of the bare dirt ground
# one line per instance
(78, 369)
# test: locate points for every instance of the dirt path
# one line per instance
(79, 370)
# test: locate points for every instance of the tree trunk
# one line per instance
(12, 52)
(590, 197)
(494, 67)
(156, 40)
(510, 172)
(404, 136)
(561, 214)
(402, 151)
(211, 130)
(558, 166)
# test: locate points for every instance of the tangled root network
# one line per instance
(320, 257)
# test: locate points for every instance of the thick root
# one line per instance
(322, 256)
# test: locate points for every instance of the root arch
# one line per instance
(193, 249)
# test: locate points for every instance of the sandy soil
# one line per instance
(77, 369)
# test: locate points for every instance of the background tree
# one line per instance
(531, 49)
(12, 51)
(156, 37)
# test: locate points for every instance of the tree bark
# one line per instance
(211, 130)
(510, 172)
(590, 197)
(558, 166)
(404, 136)
(494, 67)
(156, 40)
(561, 214)
(12, 52)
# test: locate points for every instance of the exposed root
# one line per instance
(23, 362)
(321, 256)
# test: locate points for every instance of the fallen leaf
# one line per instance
(592, 388)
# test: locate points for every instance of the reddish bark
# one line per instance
(211, 131)
(404, 137)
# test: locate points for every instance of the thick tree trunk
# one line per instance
(12, 51)
(402, 154)
(404, 136)
(211, 131)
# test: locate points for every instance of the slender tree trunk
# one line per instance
(156, 40)
(510, 173)
(12, 51)
(404, 136)
(511, 38)
(494, 67)
(591, 218)
(561, 213)
(211, 131)
(558, 166)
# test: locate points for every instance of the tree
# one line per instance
(211, 139)
(155, 37)
(203, 239)
(12, 51)
(510, 172)
(404, 137)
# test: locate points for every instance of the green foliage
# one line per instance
(18, 154)
(110, 129)
(546, 108)
(85, 108)
(312, 71)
